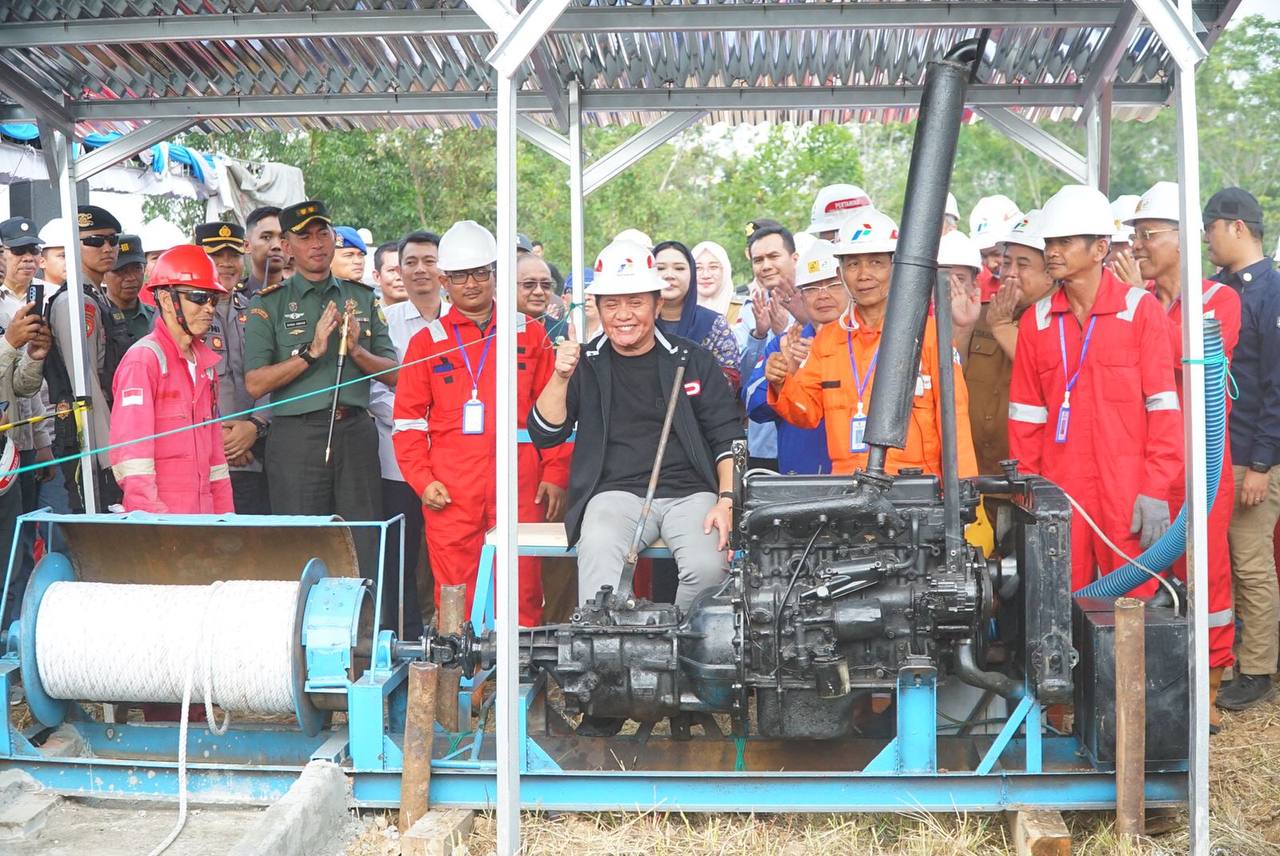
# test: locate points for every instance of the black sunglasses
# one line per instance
(27, 250)
(199, 298)
(99, 240)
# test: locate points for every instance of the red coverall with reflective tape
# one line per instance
(431, 390)
(1124, 436)
(1223, 303)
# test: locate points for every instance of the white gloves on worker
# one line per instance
(1150, 519)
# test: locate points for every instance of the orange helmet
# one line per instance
(184, 265)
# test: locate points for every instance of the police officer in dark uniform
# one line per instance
(244, 437)
(291, 345)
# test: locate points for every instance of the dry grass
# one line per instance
(1245, 821)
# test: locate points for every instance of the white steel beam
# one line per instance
(498, 15)
(1194, 434)
(370, 23)
(1174, 31)
(516, 43)
(630, 151)
(544, 138)
(577, 218)
(1093, 145)
(129, 145)
(1037, 140)
(64, 175)
(1102, 70)
(685, 99)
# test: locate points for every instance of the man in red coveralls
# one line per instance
(444, 419)
(1159, 258)
(1092, 404)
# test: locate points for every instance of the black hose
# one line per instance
(967, 670)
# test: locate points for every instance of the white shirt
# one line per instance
(404, 321)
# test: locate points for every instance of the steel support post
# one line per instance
(1174, 24)
(1194, 434)
(917, 720)
(65, 177)
(506, 566)
(1093, 144)
(577, 218)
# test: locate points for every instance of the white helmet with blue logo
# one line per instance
(867, 231)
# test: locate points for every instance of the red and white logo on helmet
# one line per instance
(8, 467)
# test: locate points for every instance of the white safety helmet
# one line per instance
(834, 204)
(868, 231)
(159, 235)
(991, 218)
(625, 267)
(953, 207)
(1076, 209)
(54, 233)
(8, 463)
(1023, 232)
(817, 264)
(1122, 210)
(1161, 202)
(465, 246)
(957, 250)
(635, 236)
(803, 241)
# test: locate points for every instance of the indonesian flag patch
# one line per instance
(132, 397)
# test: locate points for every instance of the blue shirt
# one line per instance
(800, 450)
(1255, 365)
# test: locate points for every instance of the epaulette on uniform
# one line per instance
(267, 289)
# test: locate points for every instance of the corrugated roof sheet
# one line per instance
(122, 60)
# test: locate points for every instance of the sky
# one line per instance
(1267, 8)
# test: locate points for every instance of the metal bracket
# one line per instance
(1037, 140)
(129, 145)
(627, 153)
(544, 138)
(1174, 32)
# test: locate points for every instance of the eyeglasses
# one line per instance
(535, 284)
(99, 240)
(1147, 234)
(199, 298)
(28, 250)
(460, 277)
(812, 290)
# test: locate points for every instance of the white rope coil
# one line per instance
(138, 643)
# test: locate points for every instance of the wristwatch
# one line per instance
(1260, 468)
(726, 494)
(304, 351)
(262, 426)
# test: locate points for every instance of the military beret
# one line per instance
(95, 217)
(347, 236)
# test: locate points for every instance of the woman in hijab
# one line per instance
(715, 278)
(683, 317)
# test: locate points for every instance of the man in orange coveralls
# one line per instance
(444, 415)
(831, 378)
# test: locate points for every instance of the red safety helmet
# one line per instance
(185, 265)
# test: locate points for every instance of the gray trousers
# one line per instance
(610, 523)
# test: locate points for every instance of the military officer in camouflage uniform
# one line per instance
(244, 438)
(290, 350)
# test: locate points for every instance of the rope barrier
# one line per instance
(79, 408)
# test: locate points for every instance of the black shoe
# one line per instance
(1246, 691)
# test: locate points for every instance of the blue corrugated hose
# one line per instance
(1173, 544)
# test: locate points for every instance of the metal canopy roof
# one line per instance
(283, 64)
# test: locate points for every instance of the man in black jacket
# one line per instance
(618, 399)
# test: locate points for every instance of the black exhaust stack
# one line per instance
(915, 265)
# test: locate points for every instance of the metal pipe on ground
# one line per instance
(933, 155)
(449, 620)
(1131, 714)
(419, 728)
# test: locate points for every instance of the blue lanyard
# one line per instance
(1084, 349)
(861, 382)
(484, 355)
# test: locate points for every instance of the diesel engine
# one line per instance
(839, 584)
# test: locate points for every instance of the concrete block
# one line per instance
(24, 806)
(439, 832)
(307, 819)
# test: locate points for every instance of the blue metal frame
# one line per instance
(255, 763)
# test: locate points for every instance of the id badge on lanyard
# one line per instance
(473, 415)
(1064, 412)
(858, 422)
(858, 431)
